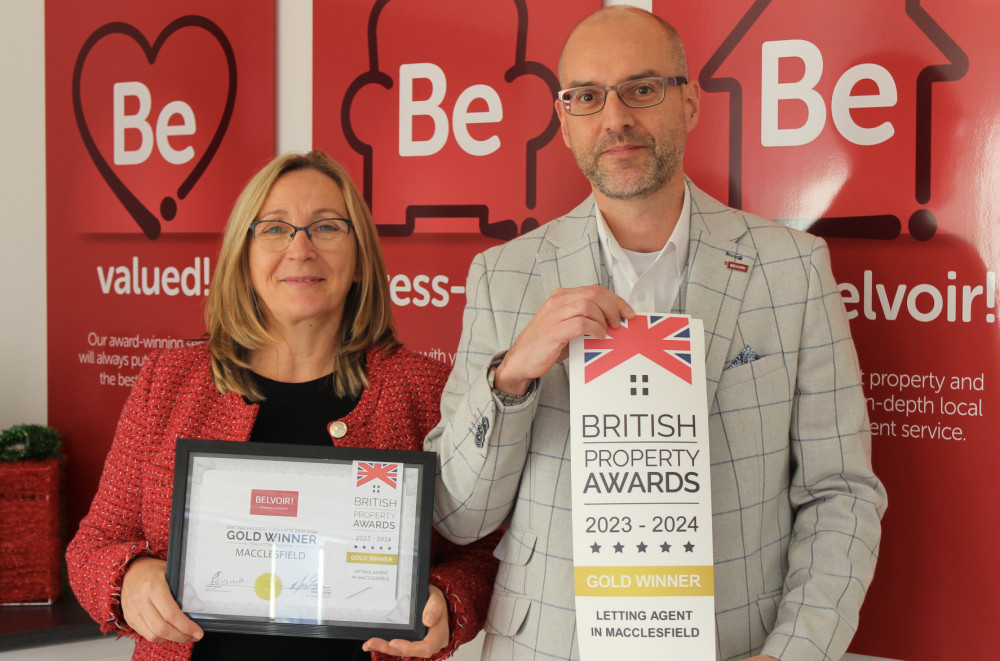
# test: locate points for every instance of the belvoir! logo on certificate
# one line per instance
(268, 502)
(642, 508)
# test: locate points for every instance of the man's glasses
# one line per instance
(638, 93)
(277, 235)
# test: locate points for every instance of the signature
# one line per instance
(307, 582)
(218, 579)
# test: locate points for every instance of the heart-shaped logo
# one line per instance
(147, 221)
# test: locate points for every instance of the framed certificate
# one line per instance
(301, 540)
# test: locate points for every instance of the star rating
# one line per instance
(641, 547)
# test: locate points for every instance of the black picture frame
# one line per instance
(416, 555)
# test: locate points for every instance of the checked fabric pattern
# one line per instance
(796, 505)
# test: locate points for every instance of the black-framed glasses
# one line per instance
(276, 235)
(638, 93)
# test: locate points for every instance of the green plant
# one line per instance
(29, 442)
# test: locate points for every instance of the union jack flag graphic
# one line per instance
(369, 472)
(665, 340)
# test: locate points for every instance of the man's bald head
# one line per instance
(624, 19)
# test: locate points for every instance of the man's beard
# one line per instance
(635, 182)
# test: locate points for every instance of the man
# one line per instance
(796, 505)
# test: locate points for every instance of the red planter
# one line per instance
(30, 548)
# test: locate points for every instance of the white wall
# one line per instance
(22, 219)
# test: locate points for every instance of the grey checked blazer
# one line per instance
(796, 504)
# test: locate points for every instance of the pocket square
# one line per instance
(747, 356)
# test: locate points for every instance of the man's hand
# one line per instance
(150, 609)
(567, 313)
(435, 618)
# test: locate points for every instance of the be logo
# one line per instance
(835, 99)
(152, 113)
(452, 118)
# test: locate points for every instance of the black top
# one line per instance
(291, 413)
(298, 412)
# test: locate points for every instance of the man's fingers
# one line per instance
(566, 314)
(596, 303)
(613, 308)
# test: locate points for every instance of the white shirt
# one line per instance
(648, 281)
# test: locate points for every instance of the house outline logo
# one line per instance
(497, 229)
(922, 223)
(146, 219)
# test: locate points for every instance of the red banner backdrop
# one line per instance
(443, 112)
(871, 124)
(156, 115)
(874, 125)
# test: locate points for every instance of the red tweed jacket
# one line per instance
(174, 397)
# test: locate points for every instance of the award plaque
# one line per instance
(301, 540)
(643, 551)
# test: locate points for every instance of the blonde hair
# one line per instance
(234, 320)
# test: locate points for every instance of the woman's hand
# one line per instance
(150, 609)
(435, 618)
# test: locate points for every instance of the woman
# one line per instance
(300, 349)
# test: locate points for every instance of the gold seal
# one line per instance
(267, 586)
(337, 428)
